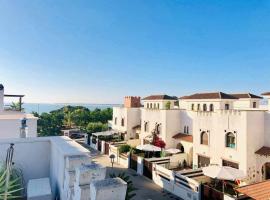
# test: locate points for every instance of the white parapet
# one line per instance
(108, 189)
(74, 161)
(39, 189)
(85, 174)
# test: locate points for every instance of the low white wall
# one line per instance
(31, 155)
(43, 157)
(188, 189)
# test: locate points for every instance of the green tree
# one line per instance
(94, 127)
(16, 106)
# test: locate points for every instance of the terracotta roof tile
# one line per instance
(264, 151)
(258, 191)
(184, 137)
(210, 95)
(266, 93)
(160, 97)
(246, 95)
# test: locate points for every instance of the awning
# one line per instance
(264, 151)
(184, 137)
(104, 133)
(258, 191)
(223, 172)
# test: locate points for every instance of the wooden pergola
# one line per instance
(20, 96)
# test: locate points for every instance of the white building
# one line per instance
(127, 119)
(213, 128)
(15, 124)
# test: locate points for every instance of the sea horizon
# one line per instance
(48, 107)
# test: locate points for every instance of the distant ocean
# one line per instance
(42, 107)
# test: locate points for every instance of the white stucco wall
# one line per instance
(43, 157)
(216, 123)
(10, 124)
(131, 116)
(169, 120)
(1, 100)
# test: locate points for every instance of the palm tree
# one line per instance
(16, 106)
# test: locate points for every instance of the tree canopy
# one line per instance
(51, 124)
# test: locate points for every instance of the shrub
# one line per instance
(124, 148)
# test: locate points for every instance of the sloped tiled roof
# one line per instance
(266, 93)
(184, 137)
(210, 95)
(258, 191)
(246, 95)
(264, 151)
(160, 97)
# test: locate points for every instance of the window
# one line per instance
(146, 126)
(158, 128)
(203, 161)
(204, 138)
(122, 122)
(230, 164)
(158, 106)
(230, 140)
(211, 107)
(150, 105)
(154, 106)
(192, 106)
(185, 129)
(204, 107)
(227, 106)
(147, 105)
(198, 107)
(115, 120)
(254, 105)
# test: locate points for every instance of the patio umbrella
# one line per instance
(223, 173)
(148, 147)
(172, 151)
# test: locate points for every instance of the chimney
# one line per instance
(267, 96)
(1, 98)
(132, 102)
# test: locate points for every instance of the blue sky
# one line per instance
(99, 51)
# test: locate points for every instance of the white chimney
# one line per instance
(1, 98)
(267, 96)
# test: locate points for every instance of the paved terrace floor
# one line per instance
(147, 189)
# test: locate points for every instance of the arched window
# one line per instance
(230, 140)
(115, 120)
(192, 106)
(158, 128)
(204, 107)
(145, 126)
(211, 107)
(158, 105)
(150, 105)
(122, 122)
(198, 107)
(147, 105)
(185, 129)
(204, 138)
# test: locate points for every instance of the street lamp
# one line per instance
(112, 157)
